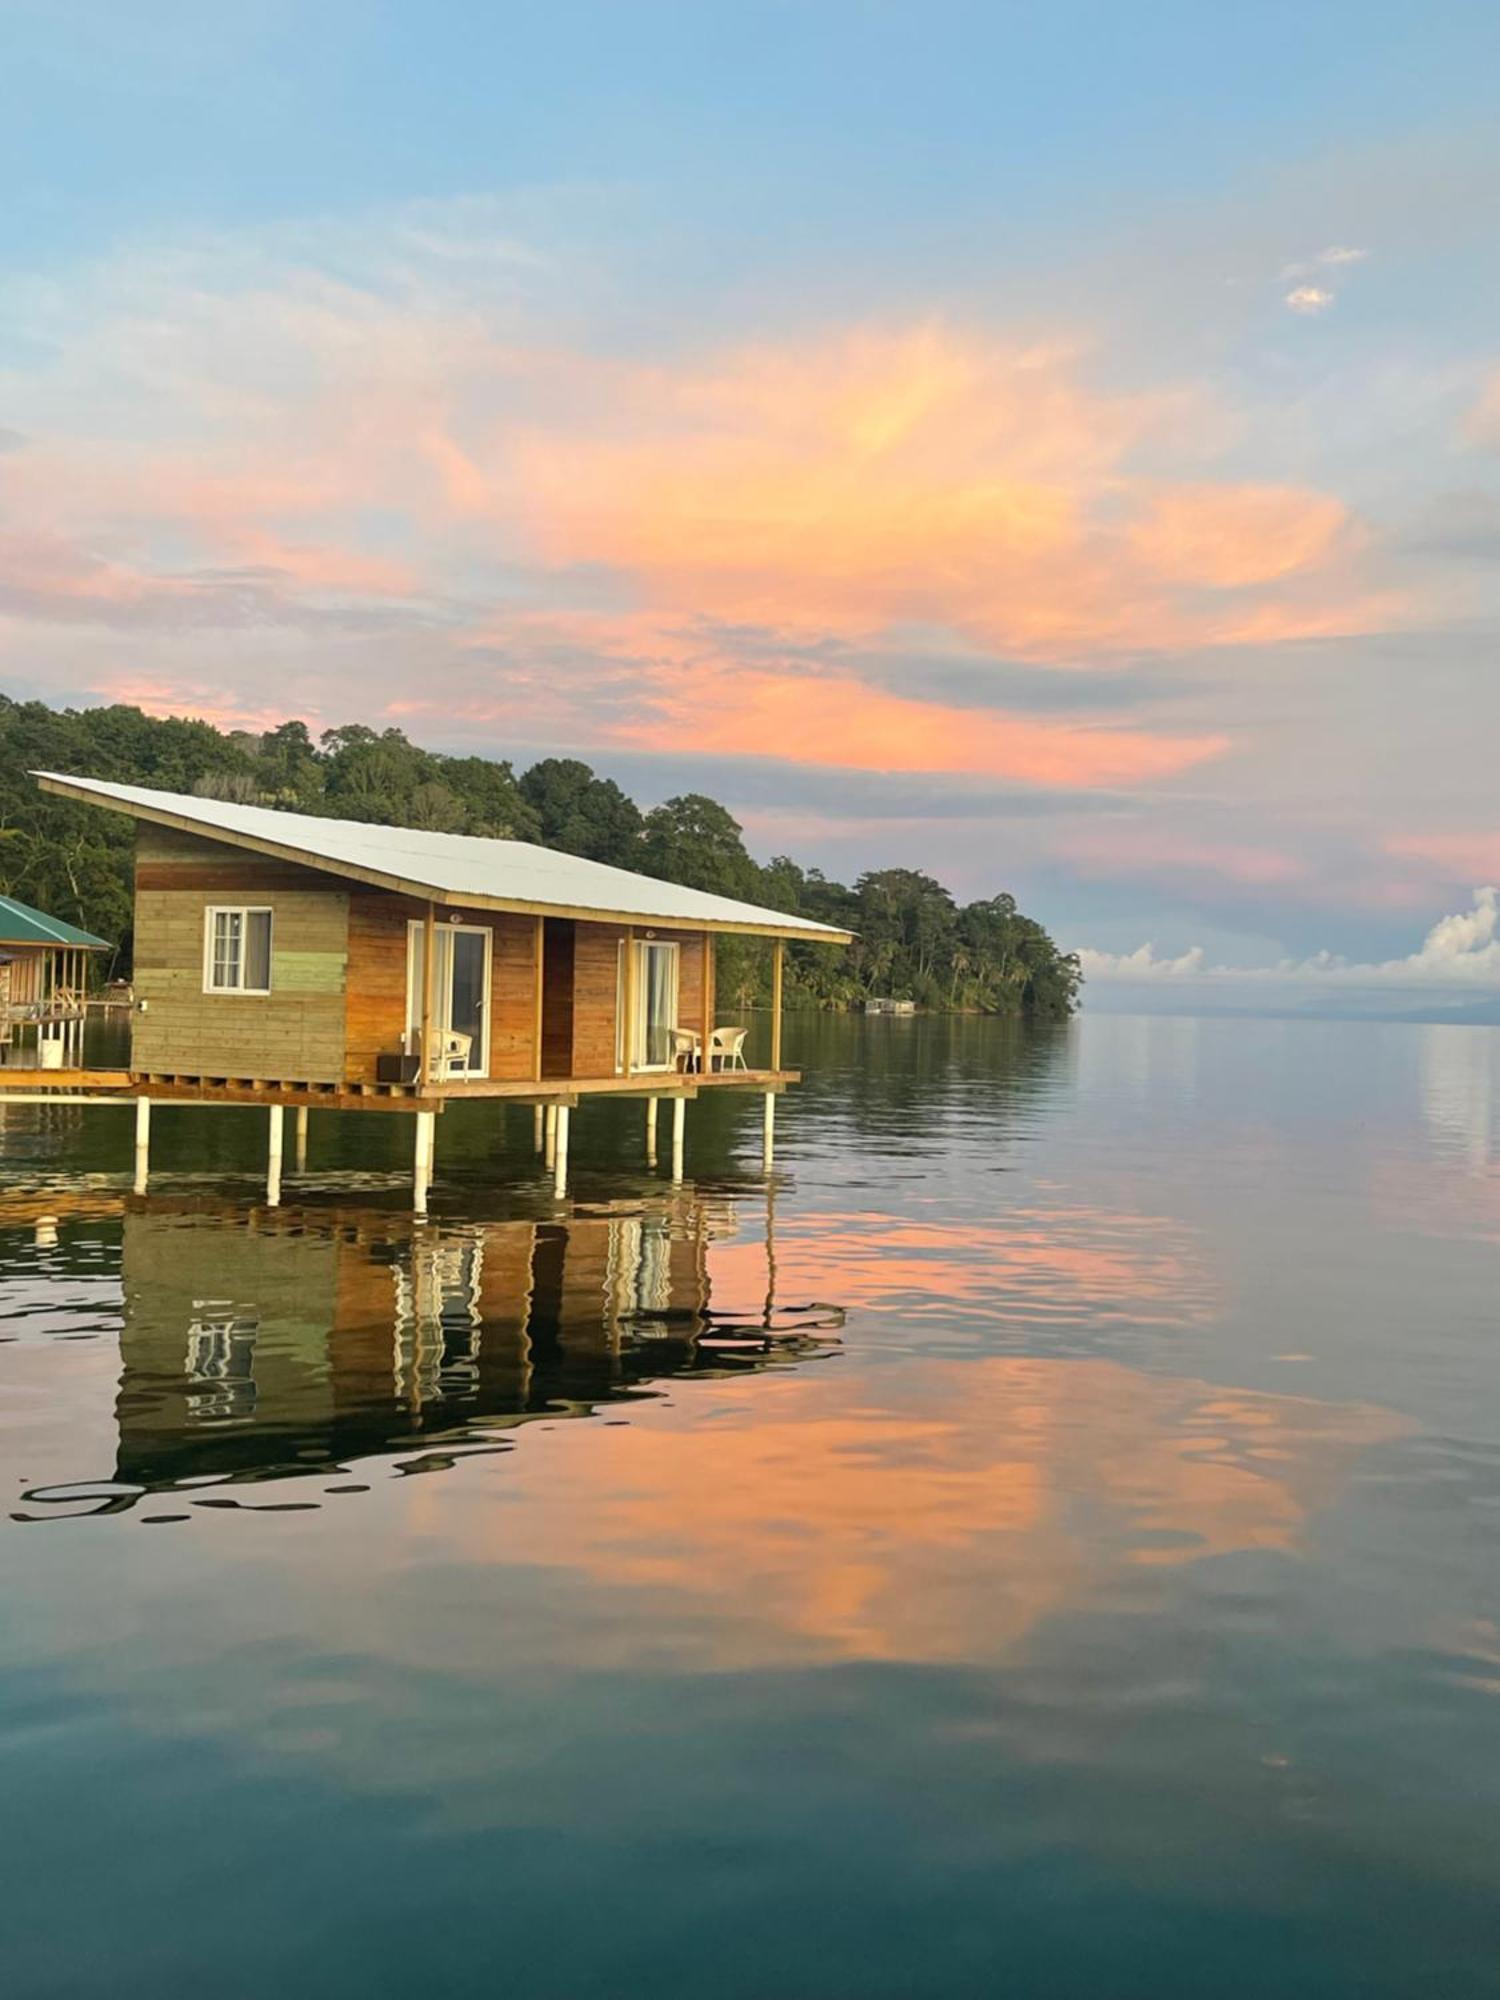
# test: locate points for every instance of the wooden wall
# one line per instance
(557, 997)
(294, 1032)
(579, 1021)
(596, 982)
(376, 1007)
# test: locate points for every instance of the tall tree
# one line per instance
(582, 813)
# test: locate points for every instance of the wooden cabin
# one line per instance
(44, 979)
(293, 959)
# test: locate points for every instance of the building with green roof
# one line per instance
(43, 983)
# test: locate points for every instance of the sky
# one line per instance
(1057, 448)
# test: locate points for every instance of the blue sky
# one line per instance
(1058, 447)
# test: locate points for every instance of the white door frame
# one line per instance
(631, 966)
(442, 1002)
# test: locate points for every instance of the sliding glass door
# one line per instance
(652, 968)
(460, 988)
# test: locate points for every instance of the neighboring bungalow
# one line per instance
(286, 959)
(43, 984)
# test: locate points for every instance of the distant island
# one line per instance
(915, 942)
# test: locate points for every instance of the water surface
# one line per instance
(1042, 1540)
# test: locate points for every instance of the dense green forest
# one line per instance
(914, 941)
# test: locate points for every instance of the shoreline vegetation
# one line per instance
(914, 941)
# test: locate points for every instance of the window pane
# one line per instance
(226, 958)
(257, 954)
(656, 1000)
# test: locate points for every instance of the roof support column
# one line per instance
(778, 954)
(627, 1005)
(429, 973)
(539, 956)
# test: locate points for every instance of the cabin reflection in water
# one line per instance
(302, 1339)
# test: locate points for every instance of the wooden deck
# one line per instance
(104, 1084)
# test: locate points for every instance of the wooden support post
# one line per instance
(301, 1139)
(778, 954)
(651, 1103)
(705, 1061)
(142, 1143)
(537, 1135)
(540, 951)
(423, 1147)
(560, 1158)
(768, 1136)
(627, 1006)
(549, 1143)
(679, 1120)
(274, 1125)
(429, 976)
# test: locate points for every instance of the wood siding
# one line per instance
(376, 1012)
(596, 992)
(557, 997)
(296, 1031)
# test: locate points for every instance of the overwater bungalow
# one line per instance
(44, 978)
(289, 960)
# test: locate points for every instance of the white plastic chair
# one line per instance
(686, 1046)
(452, 1054)
(726, 1048)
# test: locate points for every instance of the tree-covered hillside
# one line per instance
(914, 941)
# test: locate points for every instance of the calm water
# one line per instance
(1045, 1543)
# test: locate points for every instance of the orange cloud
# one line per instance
(1228, 538)
(913, 487)
(932, 480)
(838, 720)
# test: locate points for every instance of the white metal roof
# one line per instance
(455, 868)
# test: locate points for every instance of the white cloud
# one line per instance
(1462, 950)
(1329, 259)
(1309, 299)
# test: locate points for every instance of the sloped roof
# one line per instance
(20, 924)
(455, 868)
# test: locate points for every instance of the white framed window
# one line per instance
(236, 949)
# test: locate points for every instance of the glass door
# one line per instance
(460, 988)
(655, 1009)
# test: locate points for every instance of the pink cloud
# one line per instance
(1127, 851)
(1463, 857)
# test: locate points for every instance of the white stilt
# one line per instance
(651, 1131)
(560, 1152)
(537, 1138)
(300, 1138)
(273, 1155)
(549, 1143)
(769, 1133)
(679, 1122)
(142, 1143)
(424, 1146)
